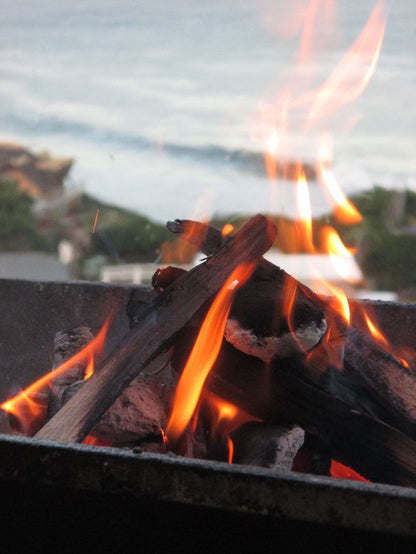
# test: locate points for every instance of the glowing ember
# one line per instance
(339, 471)
(95, 221)
(204, 354)
(230, 450)
(227, 229)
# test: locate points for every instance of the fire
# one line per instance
(23, 406)
(353, 73)
(381, 339)
(340, 255)
(339, 471)
(343, 208)
(90, 368)
(339, 301)
(305, 211)
(95, 221)
(225, 417)
(270, 155)
(204, 354)
(227, 229)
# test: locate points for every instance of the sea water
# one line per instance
(160, 103)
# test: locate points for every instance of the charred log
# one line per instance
(347, 364)
(277, 391)
(166, 315)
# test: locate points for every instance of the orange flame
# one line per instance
(308, 28)
(353, 73)
(343, 208)
(90, 368)
(270, 155)
(289, 295)
(204, 354)
(341, 256)
(22, 407)
(230, 450)
(227, 229)
(339, 301)
(95, 221)
(381, 339)
(304, 210)
(225, 418)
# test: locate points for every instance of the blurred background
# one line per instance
(119, 115)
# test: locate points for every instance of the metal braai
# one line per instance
(234, 361)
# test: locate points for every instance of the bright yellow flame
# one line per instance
(339, 301)
(90, 368)
(304, 209)
(343, 208)
(340, 256)
(204, 354)
(334, 244)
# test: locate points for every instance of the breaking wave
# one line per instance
(243, 160)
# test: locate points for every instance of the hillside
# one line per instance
(385, 240)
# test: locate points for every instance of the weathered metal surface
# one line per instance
(31, 312)
(297, 497)
(30, 315)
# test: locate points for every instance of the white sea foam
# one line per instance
(159, 103)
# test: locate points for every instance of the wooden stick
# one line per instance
(386, 386)
(274, 392)
(166, 315)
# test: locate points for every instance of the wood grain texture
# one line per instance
(161, 321)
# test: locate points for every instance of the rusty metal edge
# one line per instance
(297, 497)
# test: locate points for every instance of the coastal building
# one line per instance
(40, 175)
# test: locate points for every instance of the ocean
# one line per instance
(165, 105)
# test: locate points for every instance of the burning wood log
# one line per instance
(363, 411)
(166, 315)
(370, 379)
(278, 391)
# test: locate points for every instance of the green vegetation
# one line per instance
(18, 229)
(385, 239)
